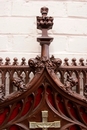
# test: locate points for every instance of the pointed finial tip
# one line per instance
(44, 10)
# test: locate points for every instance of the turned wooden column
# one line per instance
(44, 23)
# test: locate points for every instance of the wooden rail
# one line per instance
(77, 71)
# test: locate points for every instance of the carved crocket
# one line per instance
(70, 82)
(19, 83)
(2, 92)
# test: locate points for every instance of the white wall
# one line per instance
(18, 31)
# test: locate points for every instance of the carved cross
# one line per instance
(44, 124)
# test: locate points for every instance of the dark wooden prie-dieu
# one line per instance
(45, 93)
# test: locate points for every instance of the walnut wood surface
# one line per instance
(46, 91)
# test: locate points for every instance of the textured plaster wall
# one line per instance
(18, 31)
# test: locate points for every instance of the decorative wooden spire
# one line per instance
(44, 23)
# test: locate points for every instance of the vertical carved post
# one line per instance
(85, 87)
(44, 23)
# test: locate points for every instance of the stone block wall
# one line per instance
(18, 30)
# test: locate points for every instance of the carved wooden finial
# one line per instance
(44, 23)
